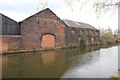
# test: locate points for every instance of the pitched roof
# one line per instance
(8, 17)
(78, 24)
(47, 9)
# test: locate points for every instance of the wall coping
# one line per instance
(10, 35)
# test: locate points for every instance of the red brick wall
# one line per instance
(9, 42)
(3, 43)
(14, 42)
(46, 22)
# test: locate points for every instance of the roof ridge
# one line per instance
(36, 13)
(79, 24)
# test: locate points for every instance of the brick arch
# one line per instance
(48, 40)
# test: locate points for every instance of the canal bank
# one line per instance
(44, 49)
(116, 76)
(49, 49)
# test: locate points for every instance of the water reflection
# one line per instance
(41, 64)
(72, 62)
(48, 58)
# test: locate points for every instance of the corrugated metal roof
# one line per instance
(78, 24)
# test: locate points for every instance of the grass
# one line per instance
(114, 77)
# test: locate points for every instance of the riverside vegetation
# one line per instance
(108, 37)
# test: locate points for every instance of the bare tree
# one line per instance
(99, 6)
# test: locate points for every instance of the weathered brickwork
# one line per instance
(14, 42)
(42, 23)
(3, 43)
(45, 30)
(92, 36)
(72, 36)
(80, 34)
(10, 43)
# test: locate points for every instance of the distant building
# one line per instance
(46, 30)
(81, 31)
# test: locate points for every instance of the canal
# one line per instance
(89, 62)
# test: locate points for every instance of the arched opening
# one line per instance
(48, 41)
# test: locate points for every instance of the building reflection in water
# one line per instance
(48, 58)
(46, 64)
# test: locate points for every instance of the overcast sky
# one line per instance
(21, 9)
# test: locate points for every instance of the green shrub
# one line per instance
(14, 49)
(115, 78)
(83, 40)
(107, 36)
(34, 49)
(63, 47)
(75, 45)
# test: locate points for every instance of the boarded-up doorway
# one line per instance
(92, 39)
(48, 41)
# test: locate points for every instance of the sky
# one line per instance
(20, 9)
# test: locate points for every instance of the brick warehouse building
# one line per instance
(45, 30)
(9, 33)
(77, 31)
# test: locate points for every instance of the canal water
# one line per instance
(89, 62)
